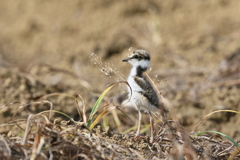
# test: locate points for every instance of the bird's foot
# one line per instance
(151, 140)
(137, 136)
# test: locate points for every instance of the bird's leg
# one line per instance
(152, 127)
(139, 124)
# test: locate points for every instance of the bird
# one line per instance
(143, 96)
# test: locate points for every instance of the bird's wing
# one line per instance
(148, 90)
(143, 83)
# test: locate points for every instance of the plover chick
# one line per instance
(143, 97)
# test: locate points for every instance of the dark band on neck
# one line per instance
(140, 71)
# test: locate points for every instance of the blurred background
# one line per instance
(46, 47)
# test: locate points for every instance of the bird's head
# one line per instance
(139, 58)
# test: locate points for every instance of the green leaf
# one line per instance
(97, 104)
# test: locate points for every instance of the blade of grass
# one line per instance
(224, 135)
(100, 116)
(96, 105)
(105, 122)
(56, 112)
(33, 103)
(82, 113)
(35, 146)
(26, 130)
(211, 114)
(55, 94)
(116, 119)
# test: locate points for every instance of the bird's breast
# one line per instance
(134, 86)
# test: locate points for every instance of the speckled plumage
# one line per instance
(143, 94)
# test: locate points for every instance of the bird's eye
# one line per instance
(135, 56)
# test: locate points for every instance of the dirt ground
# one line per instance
(46, 48)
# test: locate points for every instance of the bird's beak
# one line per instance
(126, 59)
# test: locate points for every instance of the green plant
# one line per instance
(91, 122)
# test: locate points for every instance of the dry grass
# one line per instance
(52, 139)
(43, 137)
